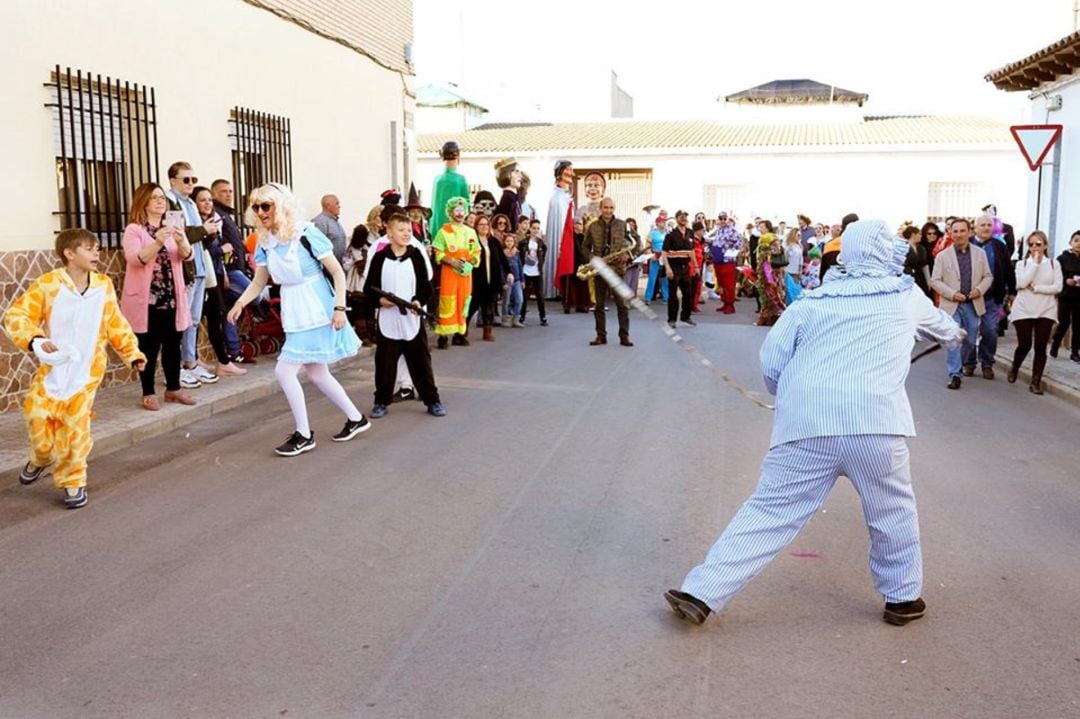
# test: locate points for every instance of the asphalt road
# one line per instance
(509, 559)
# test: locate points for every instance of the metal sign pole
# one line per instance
(1038, 198)
(1054, 186)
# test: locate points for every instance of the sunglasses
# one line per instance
(190, 180)
(1036, 244)
(262, 206)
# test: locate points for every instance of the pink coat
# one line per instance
(135, 299)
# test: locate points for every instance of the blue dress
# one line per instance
(307, 301)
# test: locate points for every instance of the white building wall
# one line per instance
(202, 57)
(1068, 208)
(890, 183)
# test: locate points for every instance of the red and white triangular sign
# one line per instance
(1035, 141)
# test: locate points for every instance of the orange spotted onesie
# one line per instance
(57, 408)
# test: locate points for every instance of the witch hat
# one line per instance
(414, 202)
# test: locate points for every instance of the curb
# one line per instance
(1050, 384)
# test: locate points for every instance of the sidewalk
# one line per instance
(1061, 377)
(121, 422)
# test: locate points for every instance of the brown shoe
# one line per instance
(969, 371)
(150, 402)
(687, 607)
(598, 341)
(489, 334)
(179, 397)
(1035, 388)
(1011, 377)
(988, 372)
(625, 342)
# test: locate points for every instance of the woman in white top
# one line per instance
(1034, 311)
(793, 250)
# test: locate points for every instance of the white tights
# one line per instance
(287, 374)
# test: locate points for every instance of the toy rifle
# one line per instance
(404, 305)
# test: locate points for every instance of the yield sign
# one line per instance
(1035, 141)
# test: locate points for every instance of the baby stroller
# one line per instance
(260, 328)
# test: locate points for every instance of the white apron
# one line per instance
(302, 307)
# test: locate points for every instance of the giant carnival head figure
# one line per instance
(507, 174)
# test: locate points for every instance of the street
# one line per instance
(510, 559)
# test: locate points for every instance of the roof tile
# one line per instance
(685, 134)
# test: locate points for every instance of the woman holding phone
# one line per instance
(154, 297)
(317, 333)
(216, 284)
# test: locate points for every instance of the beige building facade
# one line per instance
(315, 94)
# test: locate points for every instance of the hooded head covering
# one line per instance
(873, 263)
(484, 203)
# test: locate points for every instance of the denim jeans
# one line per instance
(512, 300)
(988, 336)
(969, 322)
(196, 295)
(238, 282)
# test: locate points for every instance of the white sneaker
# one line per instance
(188, 380)
(204, 375)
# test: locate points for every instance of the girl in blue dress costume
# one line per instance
(294, 253)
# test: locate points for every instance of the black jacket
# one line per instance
(386, 254)
(486, 289)
(230, 233)
(1070, 267)
(1001, 268)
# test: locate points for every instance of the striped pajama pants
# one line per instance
(796, 477)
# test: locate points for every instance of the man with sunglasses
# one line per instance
(182, 182)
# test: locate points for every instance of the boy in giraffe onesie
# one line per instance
(65, 318)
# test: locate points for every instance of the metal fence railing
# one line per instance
(261, 152)
(105, 133)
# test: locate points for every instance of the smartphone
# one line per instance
(174, 218)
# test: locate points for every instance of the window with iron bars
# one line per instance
(105, 134)
(261, 153)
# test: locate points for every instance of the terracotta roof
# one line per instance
(1060, 59)
(800, 92)
(704, 134)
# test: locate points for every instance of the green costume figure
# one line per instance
(447, 185)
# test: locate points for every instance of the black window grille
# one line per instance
(105, 134)
(261, 152)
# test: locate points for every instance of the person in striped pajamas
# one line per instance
(852, 420)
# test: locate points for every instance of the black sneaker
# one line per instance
(296, 444)
(687, 607)
(379, 411)
(689, 321)
(543, 322)
(77, 500)
(954, 382)
(901, 613)
(31, 474)
(351, 429)
(404, 394)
